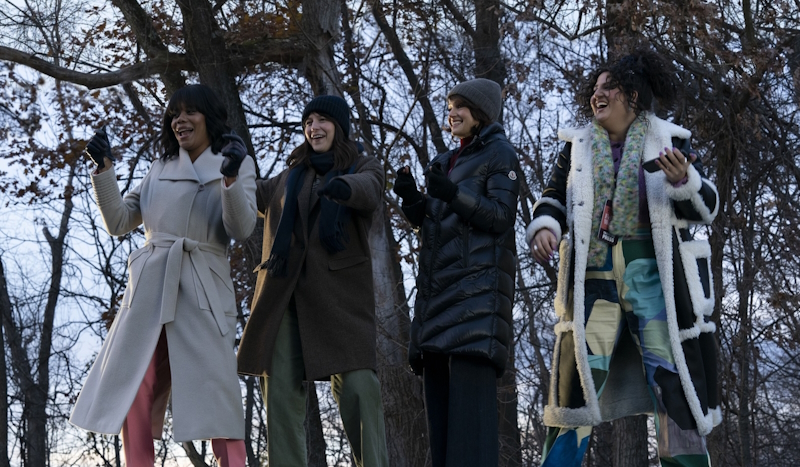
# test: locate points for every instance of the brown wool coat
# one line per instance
(333, 293)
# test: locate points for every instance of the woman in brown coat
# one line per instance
(313, 314)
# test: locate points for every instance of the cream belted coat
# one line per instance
(179, 281)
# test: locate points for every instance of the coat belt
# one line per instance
(197, 251)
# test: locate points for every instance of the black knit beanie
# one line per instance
(333, 106)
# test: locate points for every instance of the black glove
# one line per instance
(439, 186)
(336, 189)
(406, 187)
(99, 148)
(235, 152)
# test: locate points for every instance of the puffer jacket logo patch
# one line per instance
(512, 175)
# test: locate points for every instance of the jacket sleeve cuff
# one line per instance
(543, 222)
(688, 190)
(106, 190)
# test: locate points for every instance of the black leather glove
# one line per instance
(439, 186)
(336, 189)
(406, 187)
(99, 148)
(234, 151)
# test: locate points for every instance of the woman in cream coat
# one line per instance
(176, 325)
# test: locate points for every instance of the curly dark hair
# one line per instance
(345, 151)
(643, 76)
(200, 98)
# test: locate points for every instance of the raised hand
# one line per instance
(234, 151)
(406, 187)
(674, 164)
(99, 148)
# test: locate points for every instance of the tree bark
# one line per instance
(5, 308)
(206, 48)
(315, 439)
(630, 441)
(404, 410)
(320, 25)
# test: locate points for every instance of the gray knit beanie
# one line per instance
(484, 93)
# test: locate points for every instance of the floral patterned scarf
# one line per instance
(622, 189)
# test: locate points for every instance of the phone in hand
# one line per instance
(651, 166)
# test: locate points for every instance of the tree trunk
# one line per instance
(489, 61)
(490, 64)
(205, 47)
(630, 441)
(5, 308)
(599, 453)
(404, 410)
(320, 25)
(315, 439)
(508, 429)
(36, 395)
(250, 395)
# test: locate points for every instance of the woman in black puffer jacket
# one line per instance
(462, 324)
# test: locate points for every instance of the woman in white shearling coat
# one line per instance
(634, 297)
(176, 326)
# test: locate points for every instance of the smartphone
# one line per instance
(651, 166)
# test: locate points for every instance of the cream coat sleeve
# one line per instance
(239, 211)
(120, 215)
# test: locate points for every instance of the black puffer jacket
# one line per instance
(467, 265)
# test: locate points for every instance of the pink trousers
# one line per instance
(137, 430)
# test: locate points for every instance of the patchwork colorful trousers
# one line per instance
(625, 295)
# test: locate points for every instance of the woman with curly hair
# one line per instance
(634, 297)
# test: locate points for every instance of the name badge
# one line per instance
(605, 221)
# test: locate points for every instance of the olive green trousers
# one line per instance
(358, 394)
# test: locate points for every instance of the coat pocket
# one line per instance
(136, 262)
(696, 258)
(342, 263)
(221, 274)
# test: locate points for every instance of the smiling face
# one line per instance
(319, 131)
(189, 127)
(460, 119)
(611, 109)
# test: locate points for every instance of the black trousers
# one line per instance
(461, 404)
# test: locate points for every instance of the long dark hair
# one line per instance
(200, 98)
(643, 77)
(457, 100)
(345, 151)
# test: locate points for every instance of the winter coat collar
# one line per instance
(204, 169)
(491, 132)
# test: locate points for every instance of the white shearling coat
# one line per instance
(684, 269)
(179, 281)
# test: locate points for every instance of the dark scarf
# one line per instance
(333, 217)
